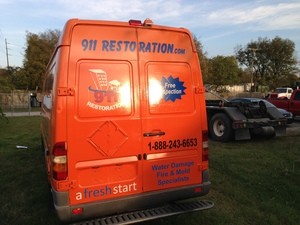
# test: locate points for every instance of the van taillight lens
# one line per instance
(59, 161)
(77, 211)
(205, 146)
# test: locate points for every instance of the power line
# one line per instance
(2, 47)
(8, 51)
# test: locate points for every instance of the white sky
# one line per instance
(219, 25)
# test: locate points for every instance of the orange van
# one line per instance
(124, 121)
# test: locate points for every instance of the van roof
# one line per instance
(148, 23)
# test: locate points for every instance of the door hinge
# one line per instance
(64, 91)
(199, 90)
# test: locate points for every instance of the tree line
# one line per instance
(265, 62)
(268, 63)
(39, 48)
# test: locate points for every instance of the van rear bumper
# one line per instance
(126, 204)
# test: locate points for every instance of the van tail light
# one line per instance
(204, 145)
(59, 161)
(135, 23)
(77, 211)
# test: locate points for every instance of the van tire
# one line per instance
(220, 127)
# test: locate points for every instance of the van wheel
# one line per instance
(220, 128)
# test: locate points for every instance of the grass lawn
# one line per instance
(253, 182)
(24, 190)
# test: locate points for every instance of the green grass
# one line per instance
(253, 182)
(24, 197)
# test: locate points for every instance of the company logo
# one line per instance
(106, 191)
(107, 94)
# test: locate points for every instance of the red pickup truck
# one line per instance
(292, 105)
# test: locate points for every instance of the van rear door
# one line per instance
(133, 111)
(171, 118)
(104, 126)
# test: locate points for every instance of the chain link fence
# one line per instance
(20, 103)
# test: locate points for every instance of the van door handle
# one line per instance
(151, 134)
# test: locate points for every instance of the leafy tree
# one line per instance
(12, 79)
(202, 58)
(223, 70)
(37, 55)
(282, 65)
(5, 83)
(272, 62)
(4, 87)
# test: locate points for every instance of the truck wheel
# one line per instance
(220, 128)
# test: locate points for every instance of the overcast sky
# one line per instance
(220, 25)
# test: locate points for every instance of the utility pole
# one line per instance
(7, 61)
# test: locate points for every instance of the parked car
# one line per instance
(292, 105)
(288, 115)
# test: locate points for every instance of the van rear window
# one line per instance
(170, 88)
(104, 88)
